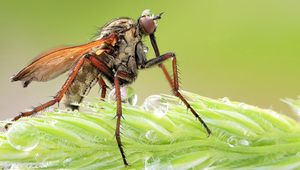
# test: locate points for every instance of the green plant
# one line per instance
(243, 136)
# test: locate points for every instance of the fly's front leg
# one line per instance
(174, 84)
(58, 96)
(157, 54)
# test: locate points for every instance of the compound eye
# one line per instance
(148, 24)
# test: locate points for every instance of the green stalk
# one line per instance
(244, 137)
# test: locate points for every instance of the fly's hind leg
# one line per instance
(57, 97)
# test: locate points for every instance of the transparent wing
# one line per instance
(52, 64)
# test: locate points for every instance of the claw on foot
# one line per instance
(7, 126)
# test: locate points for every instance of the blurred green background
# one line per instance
(247, 50)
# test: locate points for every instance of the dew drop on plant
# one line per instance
(225, 100)
(150, 135)
(23, 136)
(155, 163)
(67, 161)
(127, 95)
(235, 141)
(151, 163)
(244, 142)
(37, 156)
(57, 110)
(232, 141)
(145, 49)
(244, 106)
(13, 166)
(53, 122)
(156, 105)
(68, 109)
(44, 165)
(75, 104)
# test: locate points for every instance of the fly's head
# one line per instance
(147, 25)
(148, 22)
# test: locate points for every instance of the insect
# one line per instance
(115, 55)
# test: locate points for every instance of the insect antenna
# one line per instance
(158, 16)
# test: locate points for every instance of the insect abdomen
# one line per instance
(83, 82)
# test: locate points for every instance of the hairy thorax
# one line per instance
(124, 56)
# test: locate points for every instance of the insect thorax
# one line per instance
(129, 35)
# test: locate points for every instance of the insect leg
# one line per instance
(102, 67)
(116, 77)
(175, 85)
(103, 87)
(120, 75)
(161, 65)
(59, 95)
(105, 70)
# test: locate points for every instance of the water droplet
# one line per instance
(44, 165)
(151, 163)
(67, 161)
(244, 142)
(68, 110)
(146, 49)
(127, 95)
(236, 141)
(13, 166)
(150, 135)
(23, 136)
(75, 104)
(53, 122)
(232, 141)
(156, 105)
(37, 156)
(225, 100)
(244, 106)
(131, 96)
(57, 110)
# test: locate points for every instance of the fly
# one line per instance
(115, 55)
